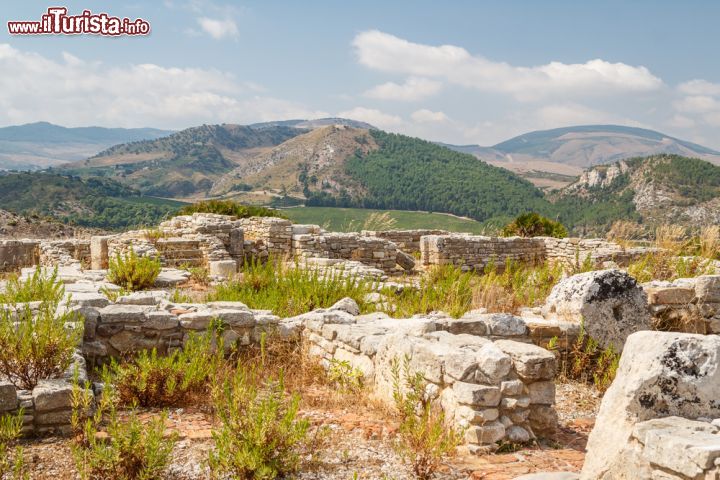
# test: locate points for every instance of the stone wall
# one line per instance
(480, 368)
(16, 254)
(64, 252)
(690, 305)
(474, 252)
(47, 408)
(406, 240)
(577, 250)
(267, 236)
(309, 241)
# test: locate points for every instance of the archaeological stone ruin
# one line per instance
(491, 373)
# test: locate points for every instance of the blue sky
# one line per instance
(454, 71)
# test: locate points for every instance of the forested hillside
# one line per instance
(412, 174)
(92, 202)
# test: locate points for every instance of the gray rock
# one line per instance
(49, 395)
(505, 325)
(8, 397)
(406, 262)
(196, 320)
(530, 361)
(160, 320)
(660, 374)
(347, 305)
(122, 314)
(609, 303)
(235, 318)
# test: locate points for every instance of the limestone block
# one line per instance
(223, 268)
(49, 395)
(122, 314)
(609, 303)
(660, 374)
(8, 396)
(529, 361)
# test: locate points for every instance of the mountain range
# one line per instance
(342, 163)
(39, 145)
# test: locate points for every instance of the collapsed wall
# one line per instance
(489, 379)
(690, 305)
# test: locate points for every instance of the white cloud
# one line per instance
(414, 88)
(699, 87)
(697, 104)
(388, 53)
(374, 117)
(73, 92)
(428, 116)
(218, 29)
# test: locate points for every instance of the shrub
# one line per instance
(586, 361)
(131, 450)
(344, 377)
(289, 291)
(41, 286)
(534, 225)
(132, 272)
(36, 346)
(228, 207)
(12, 465)
(260, 435)
(423, 438)
(152, 380)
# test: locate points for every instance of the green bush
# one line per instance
(534, 225)
(34, 346)
(12, 465)
(228, 207)
(132, 272)
(152, 380)
(132, 449)
(289, 291)
(423, 438)
(41, 286)
(260, 435)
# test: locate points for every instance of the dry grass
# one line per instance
(672, 238)
(709, 242)
(625, 233)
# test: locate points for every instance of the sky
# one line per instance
(463, 72)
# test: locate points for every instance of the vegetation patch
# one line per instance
(132, 272)
(289, 290)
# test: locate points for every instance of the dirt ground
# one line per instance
(358, 443)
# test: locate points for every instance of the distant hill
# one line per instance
(93, 202)
(351, 167)
(40, 145)
(655, 189)
(550, 158)
(187, 164)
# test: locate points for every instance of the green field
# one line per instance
(352, 219)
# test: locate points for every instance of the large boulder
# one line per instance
(661, 374)
(609, 303)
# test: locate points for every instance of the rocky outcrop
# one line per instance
(660, 375)
(609, 303)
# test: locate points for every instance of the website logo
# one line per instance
(57, 22)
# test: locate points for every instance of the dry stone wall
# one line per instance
(488, 378)
(577, 250)
(64, 252)
(474, 252)
(16, 254)
(407, 241)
